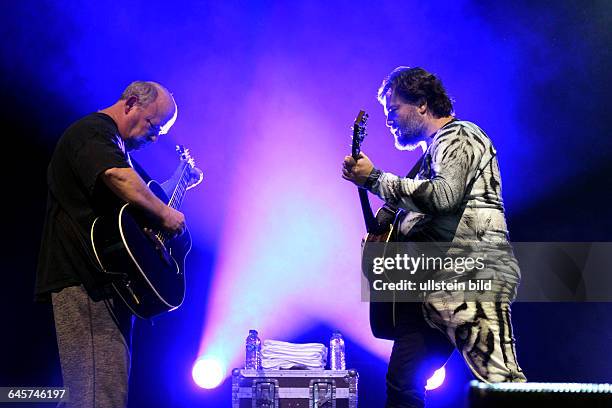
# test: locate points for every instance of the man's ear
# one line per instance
(131, 103)
(422, 108)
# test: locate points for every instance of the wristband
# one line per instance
(372, 179)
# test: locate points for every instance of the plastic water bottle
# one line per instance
(253, 351)
(337, 359)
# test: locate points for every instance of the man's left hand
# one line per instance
(357, 171)
(195, 177)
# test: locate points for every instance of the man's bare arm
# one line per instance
(128, 186)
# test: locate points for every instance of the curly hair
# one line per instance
(415, 85)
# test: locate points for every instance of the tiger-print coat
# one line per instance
(456, 198)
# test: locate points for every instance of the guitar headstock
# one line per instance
(359, 133)
(185, 156)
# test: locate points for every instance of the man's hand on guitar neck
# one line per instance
(195, 177)
(357, 171)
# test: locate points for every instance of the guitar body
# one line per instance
(382, 314)
(385, 220)
(148, 275)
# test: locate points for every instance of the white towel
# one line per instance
(280, 354)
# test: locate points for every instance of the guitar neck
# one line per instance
(359, 133)
(368, 216)
(178, 193)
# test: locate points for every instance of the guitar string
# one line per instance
(177, 196)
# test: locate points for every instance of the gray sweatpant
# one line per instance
(94, 340)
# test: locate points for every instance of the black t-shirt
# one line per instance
(76, 196)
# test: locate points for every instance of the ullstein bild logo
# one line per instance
(411, 264)
(432, 285)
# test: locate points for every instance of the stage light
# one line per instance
(436, 379)
(208, 372)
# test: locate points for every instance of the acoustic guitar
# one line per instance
(146, 265)
(381, 228)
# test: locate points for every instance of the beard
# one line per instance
(410, 134)
(403, 142)
(133, 144)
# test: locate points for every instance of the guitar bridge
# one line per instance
(160, 247)
(131, 292)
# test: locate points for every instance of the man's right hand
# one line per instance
(128, 186)
(173, 222)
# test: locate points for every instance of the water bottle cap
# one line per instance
(252, 331)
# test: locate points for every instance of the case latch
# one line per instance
(265, 394)
(323, 393)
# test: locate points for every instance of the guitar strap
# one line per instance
(417, 166)
(140, 170)
(411, 174)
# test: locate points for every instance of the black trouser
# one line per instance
(418, 350)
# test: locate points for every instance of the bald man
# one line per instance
(91, 173)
